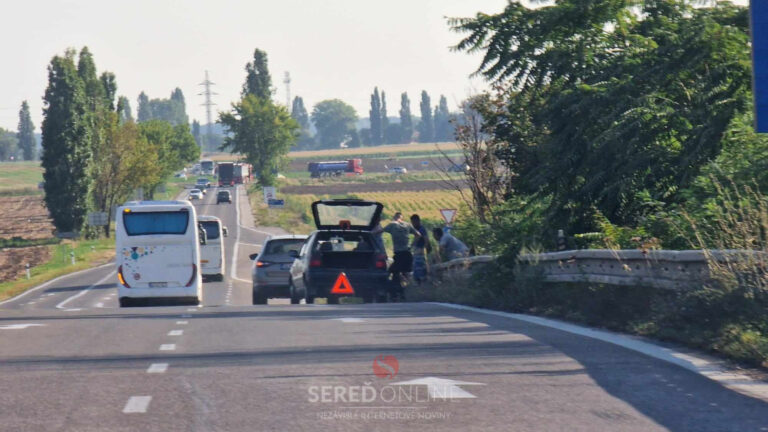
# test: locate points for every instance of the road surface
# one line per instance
(71, 360)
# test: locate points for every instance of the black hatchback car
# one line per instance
(343, 243)
(223, 196)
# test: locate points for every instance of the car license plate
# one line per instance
(158, 284)
(285, 266)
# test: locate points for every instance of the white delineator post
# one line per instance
(29, 276)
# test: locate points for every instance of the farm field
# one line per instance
(17, 176)
(24, 216)
(394, 149)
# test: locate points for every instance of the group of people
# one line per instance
(412, 256)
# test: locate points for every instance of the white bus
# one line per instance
(212, 252)
(158, 252)
(207, 167)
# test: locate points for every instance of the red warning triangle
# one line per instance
(342, 285)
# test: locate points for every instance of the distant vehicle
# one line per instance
(343, 243)
(223, 196)
(212, 252)
(398, 170)
(271, 268)
(181, 175)
(335, 168)
(195, 194)
(226, 174)
(207, 167)
(242, 173)
(203, 183)
(158, 252)
(458, 168)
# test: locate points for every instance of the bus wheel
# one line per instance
(125, 302)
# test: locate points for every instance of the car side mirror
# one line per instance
(293, 254)
(253, 256)
(226, 231)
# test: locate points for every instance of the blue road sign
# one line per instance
(276, 203)
(759, 21)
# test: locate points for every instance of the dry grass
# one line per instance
(394, 149)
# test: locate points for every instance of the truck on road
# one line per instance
(335, 168)
(226, 174)
(242, 173)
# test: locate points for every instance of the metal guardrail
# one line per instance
(655, 268)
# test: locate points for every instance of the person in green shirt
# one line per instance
(400, 231)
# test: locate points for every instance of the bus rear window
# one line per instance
(155, 223)
(211, 229)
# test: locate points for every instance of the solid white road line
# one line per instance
(157, 368)
(701, 365)
(182, 322)
(233, 264)
(168, 347)
(175, 332)
(20, 326)
(82, 292)
(43, 285)
(192, 310)
(186, 316)
(137, 404)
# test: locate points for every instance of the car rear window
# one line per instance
(224, 194)
(282, 246)
(211, 229)
(155, 223)
(345, 243)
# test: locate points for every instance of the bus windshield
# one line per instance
(154, 223)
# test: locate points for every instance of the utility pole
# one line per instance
(208, 104)
(287, 82)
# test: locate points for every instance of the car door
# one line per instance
(299, 265)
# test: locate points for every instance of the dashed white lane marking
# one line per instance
(82, 292)
(50, 294)
(99, 305)
(191, 309)
(349, 320)
(175, 332)
(186, 316)
(157, 368)
(72, 310)
(182, 322)
(137, 404)
(20, 326)
(107, 298)
(167, 347)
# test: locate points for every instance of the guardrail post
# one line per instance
(28, 274)
(72, 256)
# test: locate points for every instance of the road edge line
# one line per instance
(83, 291)
(56, 279)
(707, 367)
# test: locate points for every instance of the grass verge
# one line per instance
(88, 254)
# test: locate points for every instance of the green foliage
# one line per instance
(172, 110)
(124, 109)
(26, 134)
(406, 121)
(299, 113)
(442, 122)
(261, 131)
(174, 146)
(426, 126)
(384, 120)
(8, 145)
(258, 81)
(67, 142)
(375, 118)
(335, 122)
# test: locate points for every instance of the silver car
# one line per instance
(270, 271)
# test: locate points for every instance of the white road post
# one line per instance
(29, 276)
(72, 256)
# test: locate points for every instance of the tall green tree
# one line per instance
(442, 121)
(124, 109)
(66, 144)
(109, 84)
(335, 122)
(374, 115)
(8, 144)
(144, 112)
(426, 126)
(299, 113)
(384, 119)
(94, 88)
(261, 131)
(196, 133)
(26, 133)
(406, 120)
(258, 81)
(178, 108)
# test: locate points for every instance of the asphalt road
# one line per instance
(71, 360)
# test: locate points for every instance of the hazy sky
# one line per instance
(332, 48)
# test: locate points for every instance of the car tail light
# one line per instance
(315, 262)
(381, 261)
(121, 278)
(263, 264)
(194, 275)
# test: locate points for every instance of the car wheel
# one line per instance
(367, 298)
(309, 299)
(259, 297)
(220, 277)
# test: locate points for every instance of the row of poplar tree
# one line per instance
(94, 155)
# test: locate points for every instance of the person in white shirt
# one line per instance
(450, 247)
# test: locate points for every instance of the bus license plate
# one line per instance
(158, 284)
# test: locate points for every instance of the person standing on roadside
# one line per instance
(420, 249)
(403, 259)
(450, 247)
